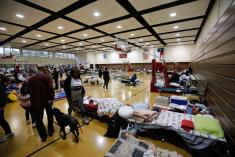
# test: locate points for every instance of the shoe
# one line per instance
(10, 135)
(43, 139)
(33, 125)
(85, 120)
(27, 122)
(50, 133)
(3, 139)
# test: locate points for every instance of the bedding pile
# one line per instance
(129, 146)
(144, 115)
(106, 106)
(194, 138)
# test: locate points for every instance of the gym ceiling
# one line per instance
(92, 25)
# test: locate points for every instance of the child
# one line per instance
(133, 79)
(25, 103)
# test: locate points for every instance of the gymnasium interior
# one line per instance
(133, 78)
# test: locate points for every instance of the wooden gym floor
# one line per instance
(92, 142)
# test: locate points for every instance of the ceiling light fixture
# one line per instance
(2, 29)
(20, 16)
(172, 14)
(178, 39)
(77, 49)
(175, 27)
(132, 34)
(96, 14)
(119, 26)
(141, 39)
(102, 40)
(85, 35)
(104, 48)
(47, 44)
(24, 41)
(179, 43)
(147, 43)
(39, 35)
(93, 46)
(114, 43)
(60, 27)
(64, 47)
(62, 40)
(177, 34)
(80, 44)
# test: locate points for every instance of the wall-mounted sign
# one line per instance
(22, 59)
(122, 55)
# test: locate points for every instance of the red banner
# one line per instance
(145, 56)
(122, 55)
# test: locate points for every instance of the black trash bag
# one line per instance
(114, 125)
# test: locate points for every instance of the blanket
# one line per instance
(129, 146)
(106, 106)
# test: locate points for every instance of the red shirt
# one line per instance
(40, 88)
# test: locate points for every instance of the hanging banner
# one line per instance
(145, 55)
(161, 50)
(104, 55)
(122, 55)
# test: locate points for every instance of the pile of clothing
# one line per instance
(178, 102)
(129, 146)
(105, 106)
(187, 125)
(144, 115)
(162, 101)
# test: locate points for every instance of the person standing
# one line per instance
(4, 124)
(100, 73)
(40, 88)
(75, 92)
(15, 74)
(61, 73)
(106, 78)
(56, 78)
(28, 110)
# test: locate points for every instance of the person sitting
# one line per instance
(133, 79)
(175, 77)
(183, 79)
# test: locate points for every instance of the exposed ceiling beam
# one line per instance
(205, 18)
(156, 8)
(66, 18)
(191, 29)
(180, 41)
(69, 9)
(128, 6)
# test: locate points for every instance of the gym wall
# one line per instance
(213, 65)
(37, 60)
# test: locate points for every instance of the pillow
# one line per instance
(140, 105)
(125, 112)
(208, 125)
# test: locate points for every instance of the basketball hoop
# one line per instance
(121, 45)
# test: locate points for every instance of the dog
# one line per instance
(64, 120)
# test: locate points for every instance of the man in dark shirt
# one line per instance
(106, 78)
(3, 82)
(40, 88)
(56, 77)
(100, 73)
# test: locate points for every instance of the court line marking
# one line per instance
(34, 152)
